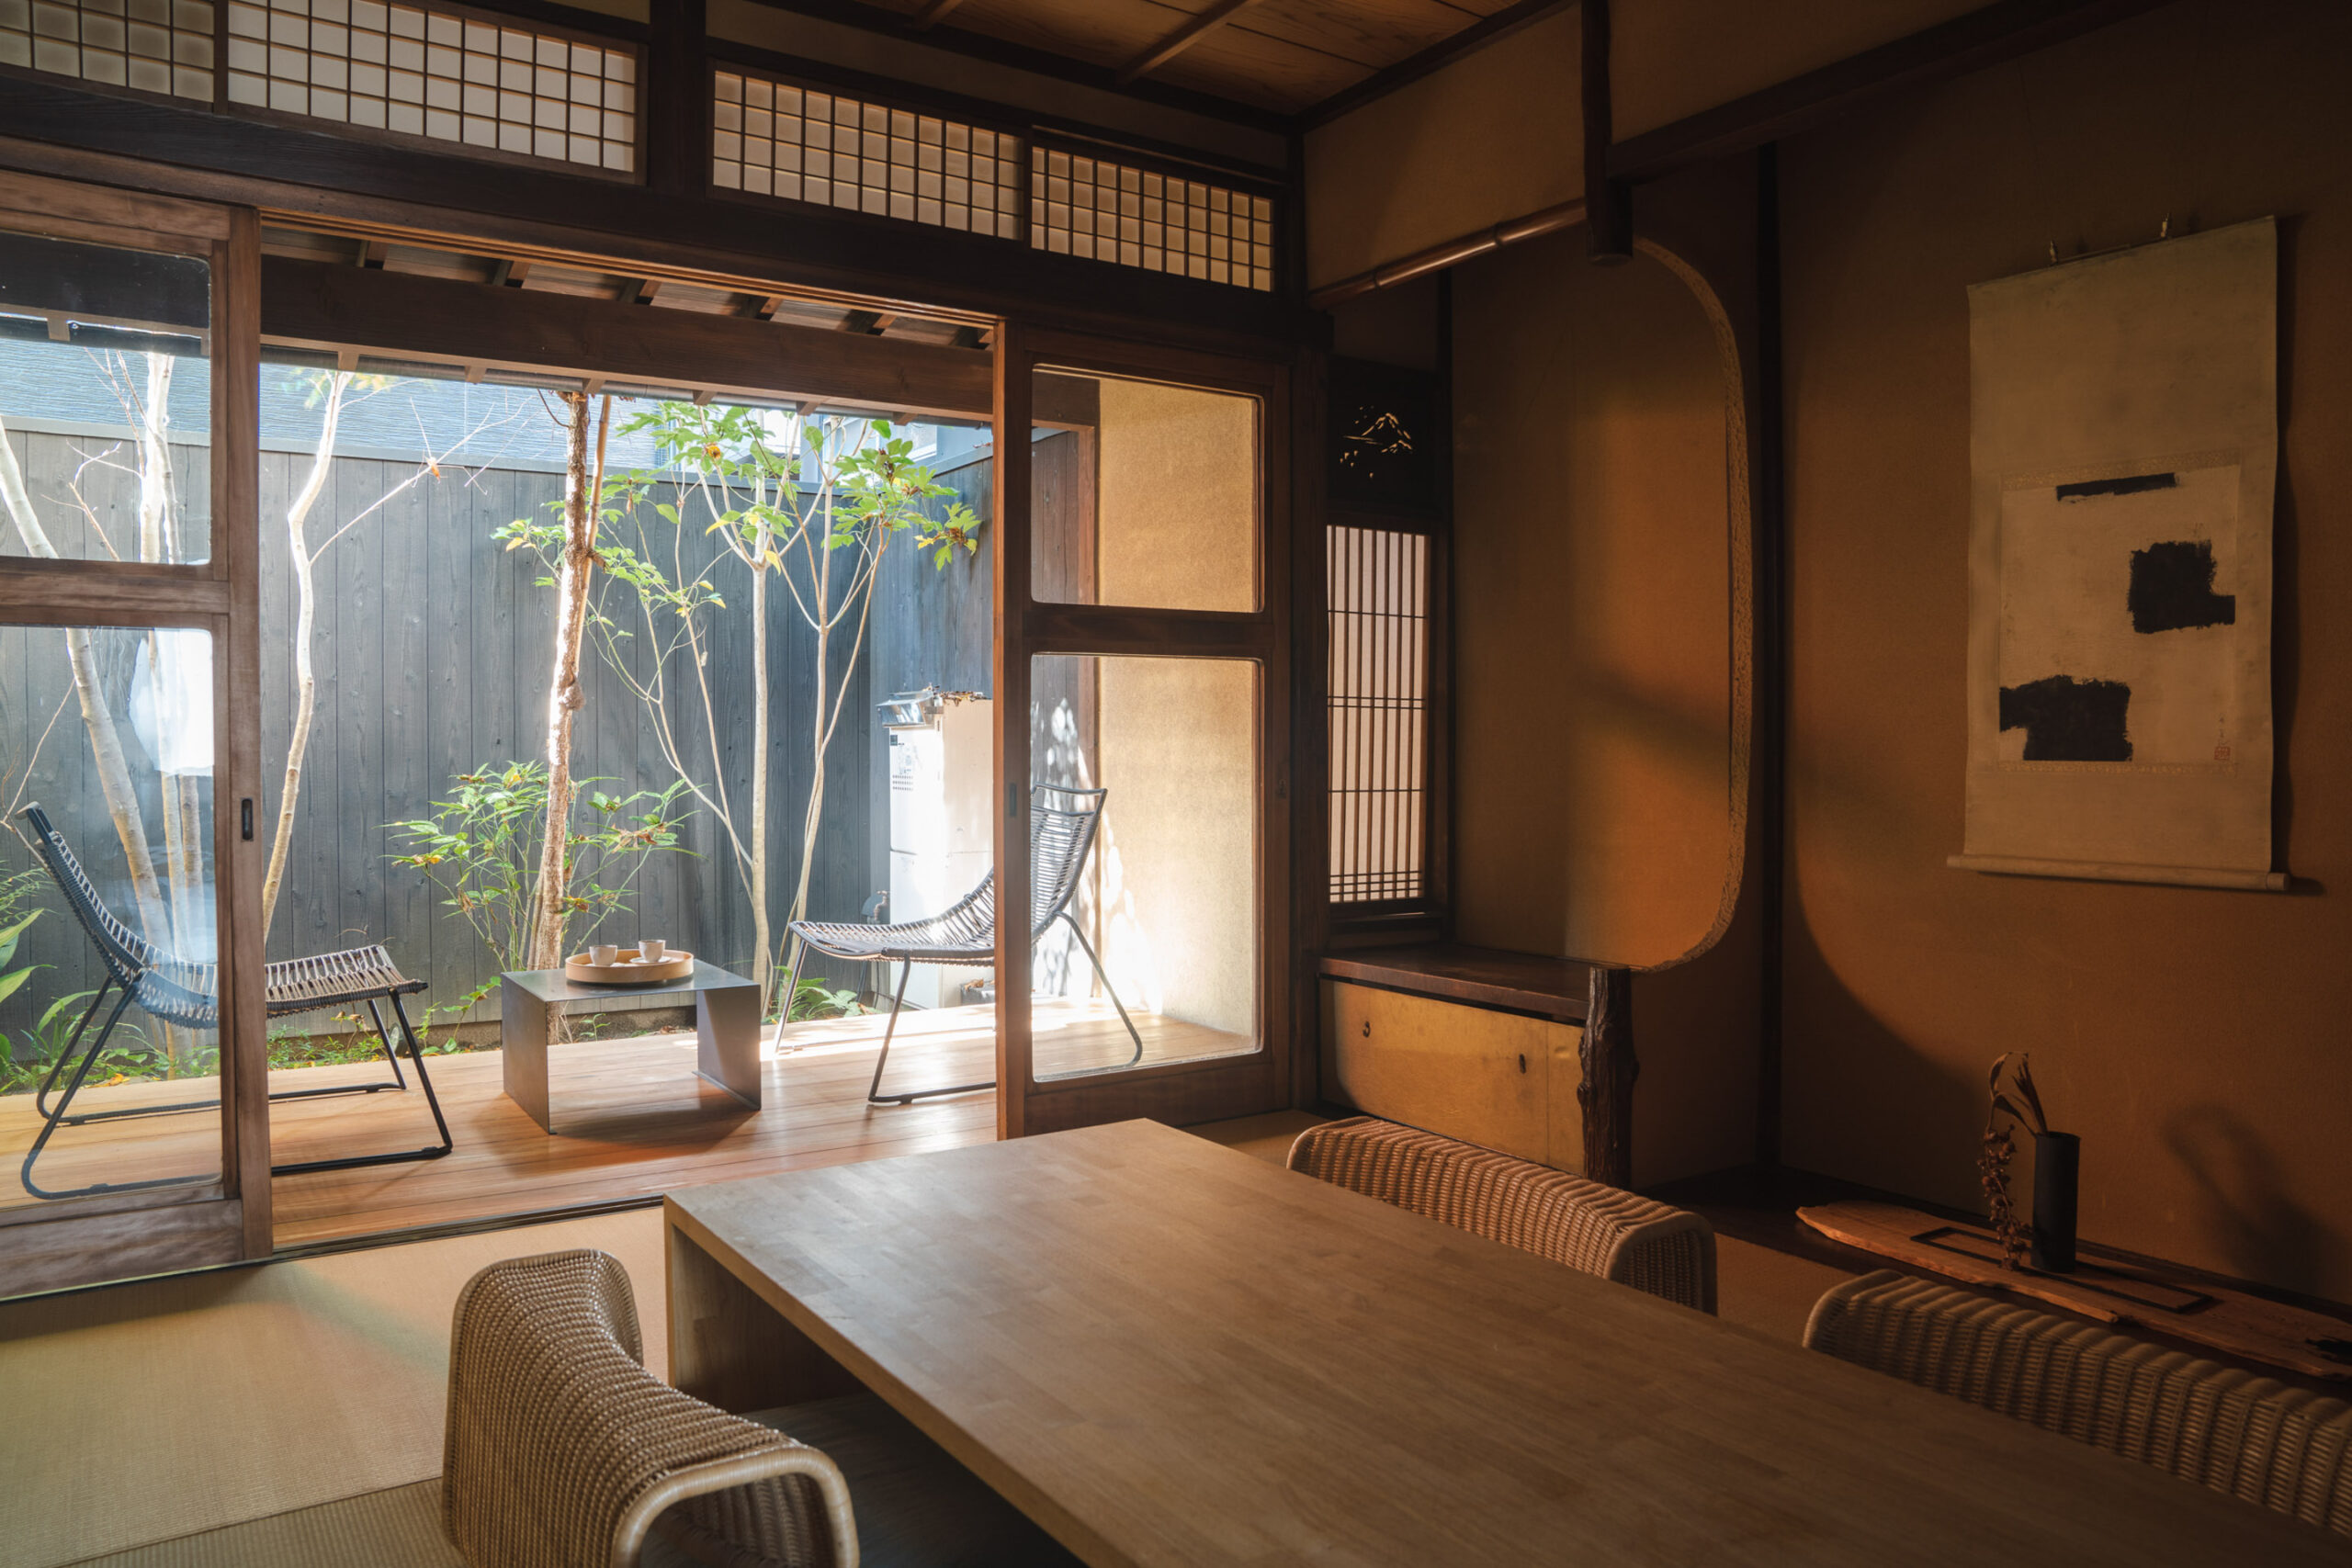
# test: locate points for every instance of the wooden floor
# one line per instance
(631, 1119)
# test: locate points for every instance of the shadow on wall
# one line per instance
(2248, 1214)
(1890, 1112)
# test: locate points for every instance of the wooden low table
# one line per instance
(1164, 1351)
(727, 1028)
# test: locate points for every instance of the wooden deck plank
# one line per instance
(635, 1120)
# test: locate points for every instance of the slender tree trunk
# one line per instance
(159, 541)
(98, 717)
(761, 931)
(564, 696)
(306, 684)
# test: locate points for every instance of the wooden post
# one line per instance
(676, 104)
(1608, 204)
(1607, 1093)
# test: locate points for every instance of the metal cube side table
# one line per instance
(727, 1028)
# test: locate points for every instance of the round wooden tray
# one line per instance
(673, 965)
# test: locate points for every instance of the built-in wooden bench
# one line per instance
(1495, 1047)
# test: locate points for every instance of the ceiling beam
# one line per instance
(1970, 42)
(320, 304)
(931, 14)
(1182, 39)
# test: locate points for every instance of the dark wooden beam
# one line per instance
(1608, 203)
(1606, 1092)
(1387, 79)
(1182, 39)
(1966, 43)
(676, 101)
(1770, 545)
(318, 303)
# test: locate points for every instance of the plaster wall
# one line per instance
(1495, 134)
(1594, 720)
(2200, 1041)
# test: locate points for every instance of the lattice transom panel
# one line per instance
(772, 139)
(1379, 710)
(1115, 213)
(156, 46)
(436, 74)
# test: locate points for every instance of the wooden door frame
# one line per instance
(77, 1241)
(1183, 1092)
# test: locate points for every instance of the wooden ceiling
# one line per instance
(1283, 55)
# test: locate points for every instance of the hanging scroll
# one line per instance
(2124, 439)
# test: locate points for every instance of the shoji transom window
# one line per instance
(1379, 586)
(772, 139)
(1116, 212)
(156, 46)
(437, 74)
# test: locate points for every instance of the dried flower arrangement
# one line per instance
(2000, 1146)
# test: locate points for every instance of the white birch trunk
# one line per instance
(98, 717)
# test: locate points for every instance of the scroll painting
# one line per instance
(2124, 439)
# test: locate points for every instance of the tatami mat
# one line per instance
(155, 1411)
(396, 1529)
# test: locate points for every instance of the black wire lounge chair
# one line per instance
(1060, 838)
(186, 992)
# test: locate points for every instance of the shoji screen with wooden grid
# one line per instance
(441, 75)
(156, 46)
(1379, 597)
(771, 138)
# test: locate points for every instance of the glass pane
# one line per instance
(106, 738)
(106, 398)
(1145, 495)
(1167, 892)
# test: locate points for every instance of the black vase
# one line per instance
(2057, 1174)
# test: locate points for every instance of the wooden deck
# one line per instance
(632, 1119)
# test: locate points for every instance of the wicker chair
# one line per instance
(2251, 1436)
(1596, 1229)
(1060, 838)
(186, 992)
(563, 1451)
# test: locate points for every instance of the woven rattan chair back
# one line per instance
(562, 1451)
(2251, 1437)
(1590, 1227)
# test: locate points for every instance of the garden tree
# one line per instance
(815, 502)
(574, 562)
(146, 401)
(331, 391)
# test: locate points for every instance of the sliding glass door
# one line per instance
(1142, 676)
(132, 1111)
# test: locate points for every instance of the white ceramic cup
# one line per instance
(650, 948)
(604, 955)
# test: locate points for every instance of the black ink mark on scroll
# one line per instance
(2066, 720)
(2172, 589)
(2131, 484)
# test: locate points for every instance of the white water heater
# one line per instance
(942, 759)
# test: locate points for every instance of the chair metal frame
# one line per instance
(186, 992)
(1061, 839)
